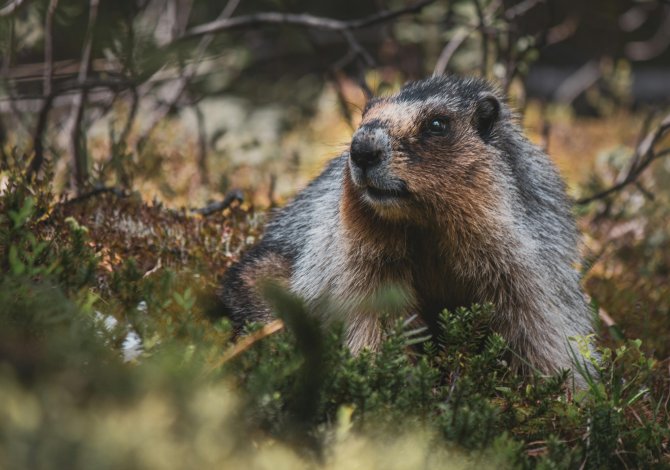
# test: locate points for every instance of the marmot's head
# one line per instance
(429, 149)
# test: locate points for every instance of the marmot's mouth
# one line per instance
(386, 194)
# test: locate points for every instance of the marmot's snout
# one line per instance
(370, 156)
(369, 147)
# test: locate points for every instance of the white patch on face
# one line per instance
(396, 116)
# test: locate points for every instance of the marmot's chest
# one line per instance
(437, 286)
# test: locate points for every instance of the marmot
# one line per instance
(441, 194)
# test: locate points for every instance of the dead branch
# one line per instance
(218, 206)
(185, 76)
(43, 115)
(247, 341)
(78, 151)
(38, 158)
(645, 154)
(461, 35)
(481, 26)
(120, 193)
(302, 20)
(48, 47)
(203, 170)
(6, 64)
(448, 52)
(134, 106)
(578, 82)
(364, 58)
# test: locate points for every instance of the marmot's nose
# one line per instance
(364, 153)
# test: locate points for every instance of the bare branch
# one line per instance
(38, 136)
(578, 82)
(461, 35)
(38, 149)
(186, 75)
(120, 193)
(448, 52)
(80, 172)
(224, 22)
(246, 342)
(202, 144)
(302, 20)
(11, 7)
(645, 154)
(218, 206)
(42, 117)
(134, 106)
(48, 48)
(481, 26)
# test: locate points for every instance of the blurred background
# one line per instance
(186, 100)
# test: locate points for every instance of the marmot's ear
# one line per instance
(486, 115)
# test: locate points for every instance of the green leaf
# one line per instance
(16, 265)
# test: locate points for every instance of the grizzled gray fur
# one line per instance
(441, 194)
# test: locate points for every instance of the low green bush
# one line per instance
(110, 361)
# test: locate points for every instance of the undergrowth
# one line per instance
(110, 357)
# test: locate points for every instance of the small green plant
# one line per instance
(297, 397)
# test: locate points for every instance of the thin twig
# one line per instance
(578, 82)
(120, 193)
(87, 85)
(38, 158)
(218, 206)
(247, 341)
(448, 52)
(129, 69)
(185, 77)
(459, 38)
(365, 61)
(648, 154)
(6, 64)
(48, 47)
(332, 71)
(481, 26)
(202, 144)
(303, 20)
(134, 106)
(38, 135)
(78, 150)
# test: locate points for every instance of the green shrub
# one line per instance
(293, 399)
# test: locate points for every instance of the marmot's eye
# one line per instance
(437, 126)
